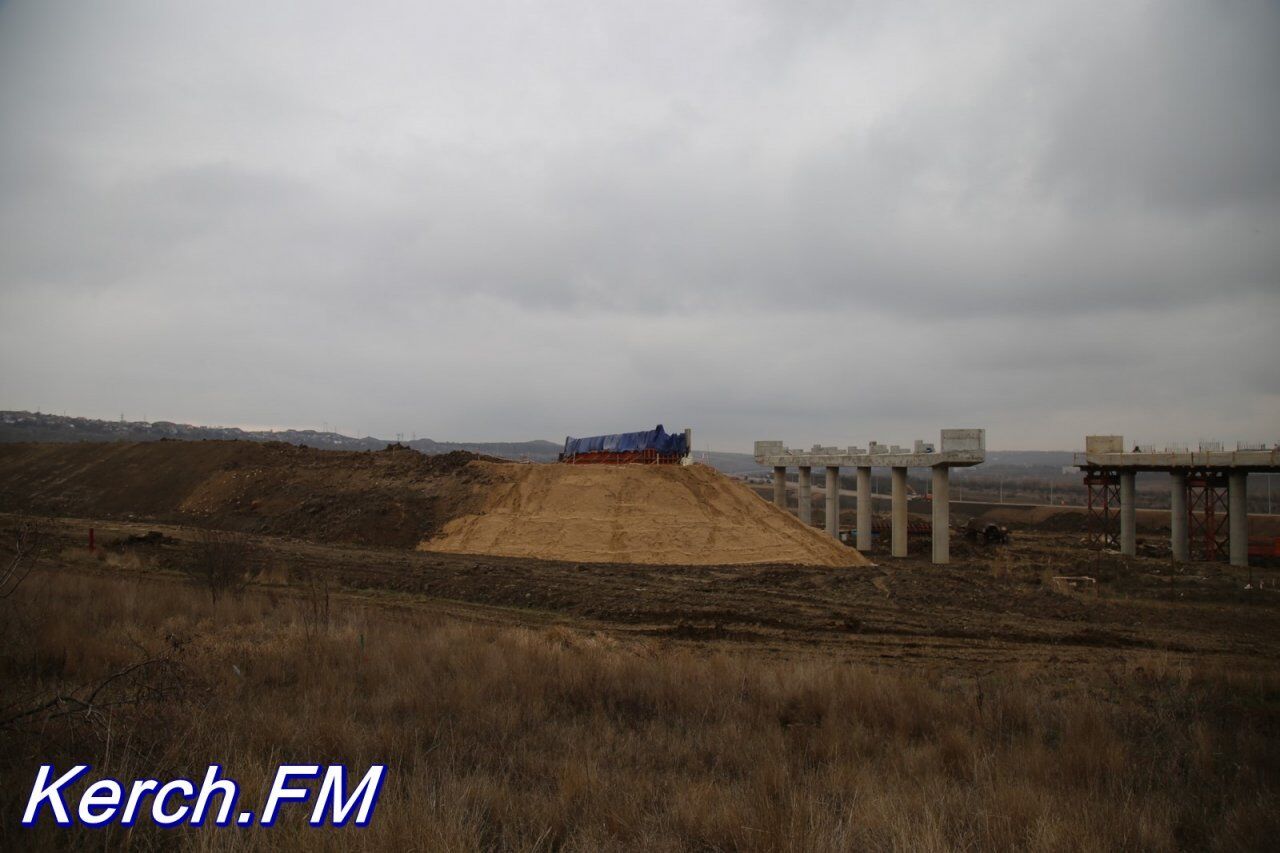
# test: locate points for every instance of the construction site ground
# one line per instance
(1043, 603)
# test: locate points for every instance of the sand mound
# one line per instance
(652, 514)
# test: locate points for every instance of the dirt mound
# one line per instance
(393, 497)
(650, 514)
(1048, 518)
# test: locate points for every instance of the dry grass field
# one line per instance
(556, 739)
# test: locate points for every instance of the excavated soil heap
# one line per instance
(393, 498)
(651, 514)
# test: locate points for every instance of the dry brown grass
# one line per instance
(513, 739)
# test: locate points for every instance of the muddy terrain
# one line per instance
(1044, 599)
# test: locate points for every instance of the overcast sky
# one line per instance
(812, 221)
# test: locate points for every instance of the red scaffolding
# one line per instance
(1207, 511)
(1102, 488)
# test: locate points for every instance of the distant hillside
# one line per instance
(43, 427)
(533, 451)
(730, 463)
(1028, 458)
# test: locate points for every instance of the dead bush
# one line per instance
(315, 588)
(26, 549)
(225, 562)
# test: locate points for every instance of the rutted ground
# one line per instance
(990, 610)
(356, 517)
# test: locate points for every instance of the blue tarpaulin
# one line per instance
(625, 442)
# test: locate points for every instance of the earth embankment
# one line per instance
(648, 514)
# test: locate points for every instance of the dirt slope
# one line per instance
(650, 514)
(392, 498)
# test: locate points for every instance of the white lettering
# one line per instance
(212, 784)
(366, 793)
(52, 794)
(158, 813)
(280, 789)
(108, 801)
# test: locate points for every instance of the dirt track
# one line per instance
(991, 610)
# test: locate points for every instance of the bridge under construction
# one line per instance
(959, 448)
(1208, 512)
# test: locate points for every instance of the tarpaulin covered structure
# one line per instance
(655, 445)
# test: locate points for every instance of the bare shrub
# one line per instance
(225, 562)
(26, 548)
(146, 681)
(315, 587)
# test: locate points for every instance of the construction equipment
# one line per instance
(986, 533)
(652, 447)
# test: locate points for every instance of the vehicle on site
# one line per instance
(652, 447)
(986, 532)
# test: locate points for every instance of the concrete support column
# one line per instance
(1238, 518)
(898, 512)
(941, 531)
(806, 494)
(864, 509)
(780, 486)
(1178, 517)
(833, 500)
(1128, 514)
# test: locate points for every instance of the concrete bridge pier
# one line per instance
(1128, 514)
(806, 494)
(1238, 518)
(1198, 500)
(780, 486)
(1178, 517)
(864, 509)
(941, 530)
(833, 501)
(898, 511)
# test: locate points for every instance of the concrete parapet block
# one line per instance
(964, 441)
(769, 448)
(1104, 444)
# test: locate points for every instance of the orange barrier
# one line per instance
(1268, 546)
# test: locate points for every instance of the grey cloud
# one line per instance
(495, 222)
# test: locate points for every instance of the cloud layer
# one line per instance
(813, 221)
